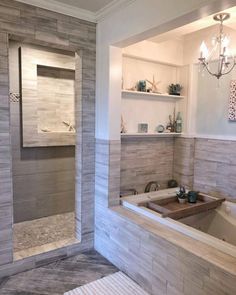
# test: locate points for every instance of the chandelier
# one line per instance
(225, 62)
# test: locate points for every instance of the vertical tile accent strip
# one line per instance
(85, 143)
(6, 198)
(107, 182)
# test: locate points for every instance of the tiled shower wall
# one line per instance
(50, 171)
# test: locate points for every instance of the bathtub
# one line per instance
(216, 227)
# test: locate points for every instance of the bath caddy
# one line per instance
(170, 207)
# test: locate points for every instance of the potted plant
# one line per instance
(181, 194)
(175, 89)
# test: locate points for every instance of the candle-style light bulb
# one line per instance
(203, 50)
(225, 45)
(226, 42)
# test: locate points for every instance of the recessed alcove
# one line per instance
(55, 89)
(48, 97)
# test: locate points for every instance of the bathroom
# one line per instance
(64, 177)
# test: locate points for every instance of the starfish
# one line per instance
(154, 84)
(70, 126)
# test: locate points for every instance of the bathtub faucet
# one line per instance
(152, 186)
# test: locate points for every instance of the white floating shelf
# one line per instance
(148, 94)
(164, 134)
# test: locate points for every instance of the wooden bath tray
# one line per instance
(170, 207)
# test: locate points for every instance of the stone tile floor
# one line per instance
(58, 277)
(38, 232)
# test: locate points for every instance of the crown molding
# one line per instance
(112, 7)
(73, 11)
(62, 8)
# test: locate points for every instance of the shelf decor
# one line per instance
(143, 128)
(154, 85)
(175, 89)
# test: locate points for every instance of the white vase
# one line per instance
(182, 201)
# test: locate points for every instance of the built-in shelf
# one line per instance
(148, 94)
(164, 134)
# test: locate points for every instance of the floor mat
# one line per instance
(115, 284)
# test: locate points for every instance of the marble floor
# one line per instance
(58, 277)
(53, 231)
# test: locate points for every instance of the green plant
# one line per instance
(175, 89)
(181, 194)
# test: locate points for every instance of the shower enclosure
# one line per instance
(42, 100)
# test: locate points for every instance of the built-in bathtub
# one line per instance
(216, 227)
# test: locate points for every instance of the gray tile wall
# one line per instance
(6, 203)
(107, 181)
(206, 165)
(160, 260)
(201, 164)
(183, 167)
(49, 171)
(34, 25)
(43, 181)
(215, 167)
(144, 160)
(47, 97)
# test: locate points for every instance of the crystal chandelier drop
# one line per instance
(225, 62)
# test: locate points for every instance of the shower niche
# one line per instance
(47, 81)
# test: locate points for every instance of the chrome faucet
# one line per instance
(152, 186)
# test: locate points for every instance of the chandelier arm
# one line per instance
(234, 64)
(208, 70)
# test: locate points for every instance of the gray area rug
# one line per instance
(115, 284)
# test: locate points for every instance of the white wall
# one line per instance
(146, 110)
(170, 52)
(129, 25)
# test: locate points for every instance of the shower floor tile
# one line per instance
(30, 235)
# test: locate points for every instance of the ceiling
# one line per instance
(91, 5)
(91, 10)
(196, 26)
